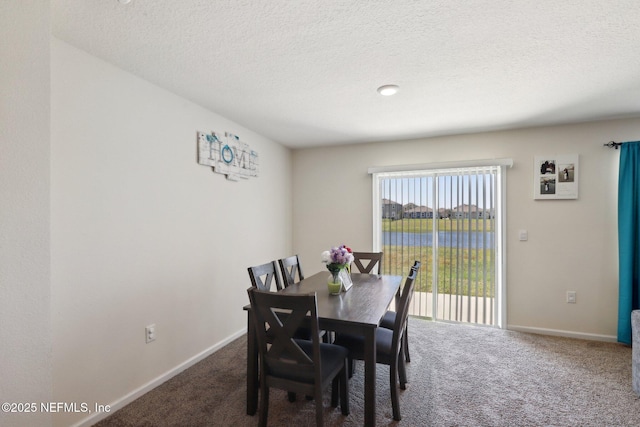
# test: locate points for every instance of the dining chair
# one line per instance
(263, 276)
(389, 350)
(292, 364)
(290, 268)
(389, 320)
(371, 258)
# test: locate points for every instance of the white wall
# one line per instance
(572, 243)
(141, 233)
(25, 332)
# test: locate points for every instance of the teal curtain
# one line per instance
(628, 237)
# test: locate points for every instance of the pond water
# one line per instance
(463, 239)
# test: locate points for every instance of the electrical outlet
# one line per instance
(150, 333)
(571, 297)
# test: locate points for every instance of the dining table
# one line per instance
(357, 311)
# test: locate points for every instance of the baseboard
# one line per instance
(561, 333)
(125, 400)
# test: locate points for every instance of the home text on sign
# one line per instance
(227, 155)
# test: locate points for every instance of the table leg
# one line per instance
(370, 377)
(252, 366)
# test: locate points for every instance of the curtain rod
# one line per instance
(613, 144)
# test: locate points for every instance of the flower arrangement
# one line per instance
(337, 258)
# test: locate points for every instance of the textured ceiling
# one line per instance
(305, 72)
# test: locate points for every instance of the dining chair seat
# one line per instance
(387, 322)
(388, 319)
(332, 357)
(384, 346)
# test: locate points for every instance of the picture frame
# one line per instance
(555, 177)
(346, 279)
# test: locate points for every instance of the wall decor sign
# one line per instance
(555, 177)
(227, 155)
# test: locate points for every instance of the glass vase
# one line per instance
(334, 283)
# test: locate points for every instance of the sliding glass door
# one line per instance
(451, 220)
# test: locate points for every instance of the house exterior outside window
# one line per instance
(391, 209)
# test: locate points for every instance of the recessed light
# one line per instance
(125, 1)
(388, 90)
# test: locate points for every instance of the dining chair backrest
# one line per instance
(403, 308)
(291, 270)
(371, 258)
(263, 276)
(415, 268)
(416, 265)
(284, 357)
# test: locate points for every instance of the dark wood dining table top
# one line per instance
(364, 304)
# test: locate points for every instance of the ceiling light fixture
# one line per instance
(388, 90)
(124, 1)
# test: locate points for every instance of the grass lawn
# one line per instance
(462, 271)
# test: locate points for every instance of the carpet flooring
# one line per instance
(459, 375)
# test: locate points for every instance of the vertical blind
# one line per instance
(449, 219)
